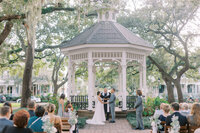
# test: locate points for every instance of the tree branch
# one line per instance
(6, 31)
(160, 68)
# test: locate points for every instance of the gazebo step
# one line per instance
(89, 114)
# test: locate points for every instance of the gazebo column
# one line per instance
(94, 79)
(90, 80)
(120, 80)
(144, 76)
(69, 82)
(141, 77)
(124, 80)
(73, 79)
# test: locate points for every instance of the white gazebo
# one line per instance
(110, 42)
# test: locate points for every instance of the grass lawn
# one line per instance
(14, 105)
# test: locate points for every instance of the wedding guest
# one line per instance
(139, 109)
(184, 109)
(162, 117)
(181, 118)
(5, 113)
(67, 108)
(35, 122)
(196, 100)
(55, 120)
(20, 121)
(194, 117)
(159, 111)
(61, 105)
(31, 108)
(197, 130)
(10, 105)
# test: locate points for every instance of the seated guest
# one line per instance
(20, 120)
(67, 108)
(166, 109)
(159, 111)
(184, 109)
(194, 117)
(5, 112)
(10, 105)
(35, 122)
(181, 118)
(31, 108)
(197, 130)
(55, 120)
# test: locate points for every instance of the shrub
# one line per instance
(82, 122)
(132, 120)
(151, 104)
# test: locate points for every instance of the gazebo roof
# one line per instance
(106, 32)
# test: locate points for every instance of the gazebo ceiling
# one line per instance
(106, 32)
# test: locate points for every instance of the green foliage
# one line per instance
(151, 104)
(82, 122)
(54, 100)
(132, 120)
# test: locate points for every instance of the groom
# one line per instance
(112, 105)
(106, 95)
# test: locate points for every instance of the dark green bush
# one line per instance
(82, 122)
(132, 120)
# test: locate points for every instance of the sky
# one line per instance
(131, 4)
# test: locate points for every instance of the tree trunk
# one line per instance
(27, 76)
(179, 91)
(55, 91)
(170, 91)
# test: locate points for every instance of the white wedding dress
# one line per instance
(99, 115)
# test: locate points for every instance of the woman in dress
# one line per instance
(162, 117)
(20, 121)
(68, 107)
(99, 115)
(194, 117)
(55, 120)
(61, 105)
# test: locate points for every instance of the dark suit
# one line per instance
(5, 122)
(107, 95)
(139, 109)
(181, 118)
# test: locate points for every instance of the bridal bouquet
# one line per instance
(48, 127)
(175, 125)
(72, 117)
(155, 123)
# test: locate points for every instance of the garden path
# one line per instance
(121, 126)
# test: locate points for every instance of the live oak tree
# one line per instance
(14, 11)
(168, 26)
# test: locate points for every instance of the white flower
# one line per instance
(48, 127)
(72, 117)
(175, 125)
(155, 123)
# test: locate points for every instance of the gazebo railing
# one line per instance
(80, 102)
(130, 102)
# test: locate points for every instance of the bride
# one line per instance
(99, 115)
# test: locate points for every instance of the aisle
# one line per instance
(121, 126)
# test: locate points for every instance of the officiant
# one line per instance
(106, 95)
